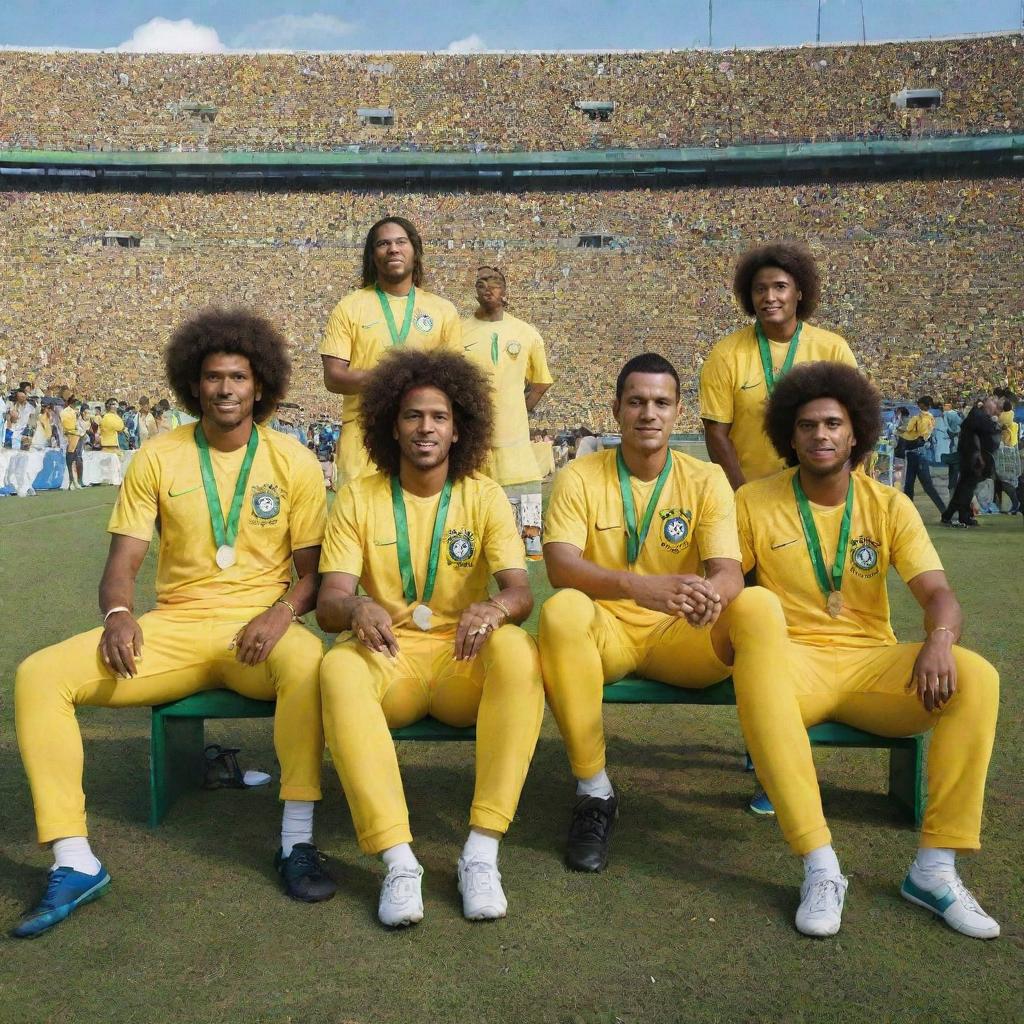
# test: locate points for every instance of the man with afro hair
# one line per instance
(423, 537)
(823, 538)
(236, 506)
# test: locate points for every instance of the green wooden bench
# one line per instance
(177, 738)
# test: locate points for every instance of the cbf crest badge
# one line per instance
(460, 547)
(266, 502)
(675, 528)
(864, 557)
(513, 348)
(424, 323)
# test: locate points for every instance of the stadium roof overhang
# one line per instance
(988, 154)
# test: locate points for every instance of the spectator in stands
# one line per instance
(111, 427)
(824, 419)
(230, 368)
(916, 436)
(164, 421)
(147, 424)
(778, 285)
(390, 309)
(511, 353)
(22, 418)
(980, 435)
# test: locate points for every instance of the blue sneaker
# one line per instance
(760, 804)
(952, 901)
(66, 890)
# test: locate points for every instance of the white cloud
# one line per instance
(471, 44)
(293, 32)
(160, 35)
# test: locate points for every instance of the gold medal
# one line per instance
(421, 616)
(834, 604)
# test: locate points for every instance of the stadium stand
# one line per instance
(923, 278)
(506, 101)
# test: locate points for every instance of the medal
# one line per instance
(422, 614)
(830, 584)
(397, 336)
(224, 534)
(225, 557)
(635, 539)
(765, 351)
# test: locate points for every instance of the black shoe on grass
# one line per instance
(304, 874)
(590, 831)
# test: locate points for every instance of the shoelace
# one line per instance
(963, 894)
(590, 823)
(399, 884)
(57, 876)
(477, 875)
(824, 895)
(302, 861)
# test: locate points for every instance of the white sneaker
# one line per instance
(952, 901)
(483, 899)
(821, 904)
(401, 897)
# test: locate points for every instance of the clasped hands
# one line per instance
(685, 596)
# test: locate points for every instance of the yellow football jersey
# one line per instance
(695, 520)
(732, 389)
(69, 422)
(284, 509)
(511, 353)
(110, 426)
(886, 530)
(479, 539)
(919, 426)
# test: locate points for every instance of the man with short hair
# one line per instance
(237, 508)
(423, 537)
(111, 427)
(73, 432)
(823, 538)
(147, 424)
(643, 538)
(916, 435)
(391, 309)
(511, 352)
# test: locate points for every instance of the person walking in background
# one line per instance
(980, 434)
(916, 435)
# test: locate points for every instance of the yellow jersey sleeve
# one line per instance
(568, 518)
(451, 329)
(743, 528)
(716, 388)
(716, 525)
(503, 546)
(137, 505)
(343, 540)
(309, 503)
(911, 551)
(339, 333)
(537, 371)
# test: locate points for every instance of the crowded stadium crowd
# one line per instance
(505, 101)
(922, 277)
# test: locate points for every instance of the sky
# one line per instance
(463, 26)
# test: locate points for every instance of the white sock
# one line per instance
(399, 856)
(481, 847)
(932, 865)
(822, 859)
(75, 853)
(598, 785)
(296, 824)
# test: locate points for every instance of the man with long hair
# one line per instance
(823, 538)
(238, 506)
(643, 538)
(422, 537)
(511, 352)
(391, 309)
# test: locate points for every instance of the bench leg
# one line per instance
(906, 770)
(175, 761)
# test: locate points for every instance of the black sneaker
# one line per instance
(304, 875)
(590, 831)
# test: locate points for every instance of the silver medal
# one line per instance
(421, 615)
(225, 556)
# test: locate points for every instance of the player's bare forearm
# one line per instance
(514, 596)
(723, 452)
(567, 567)
(534, 395)
(340, 378)
(336, 601)
(941, 608)
(302, 596)
(725, 575)
(117, 585)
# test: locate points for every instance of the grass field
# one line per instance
(692, 922)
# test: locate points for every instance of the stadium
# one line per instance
(616, 191)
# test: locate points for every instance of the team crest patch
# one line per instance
(424, 323)
(266, 502)
(675, 527)
(864, 556)
(513, 348)
(460, 546)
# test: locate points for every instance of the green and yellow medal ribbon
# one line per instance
(829, 583)
(397, 336)
(402, 541)
(224, 534)
(494, 349)
(634, 538)
(764, 348)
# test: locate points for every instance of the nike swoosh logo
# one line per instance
(178, 494)
(784, 544)
(614, 526)
(747, 387)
